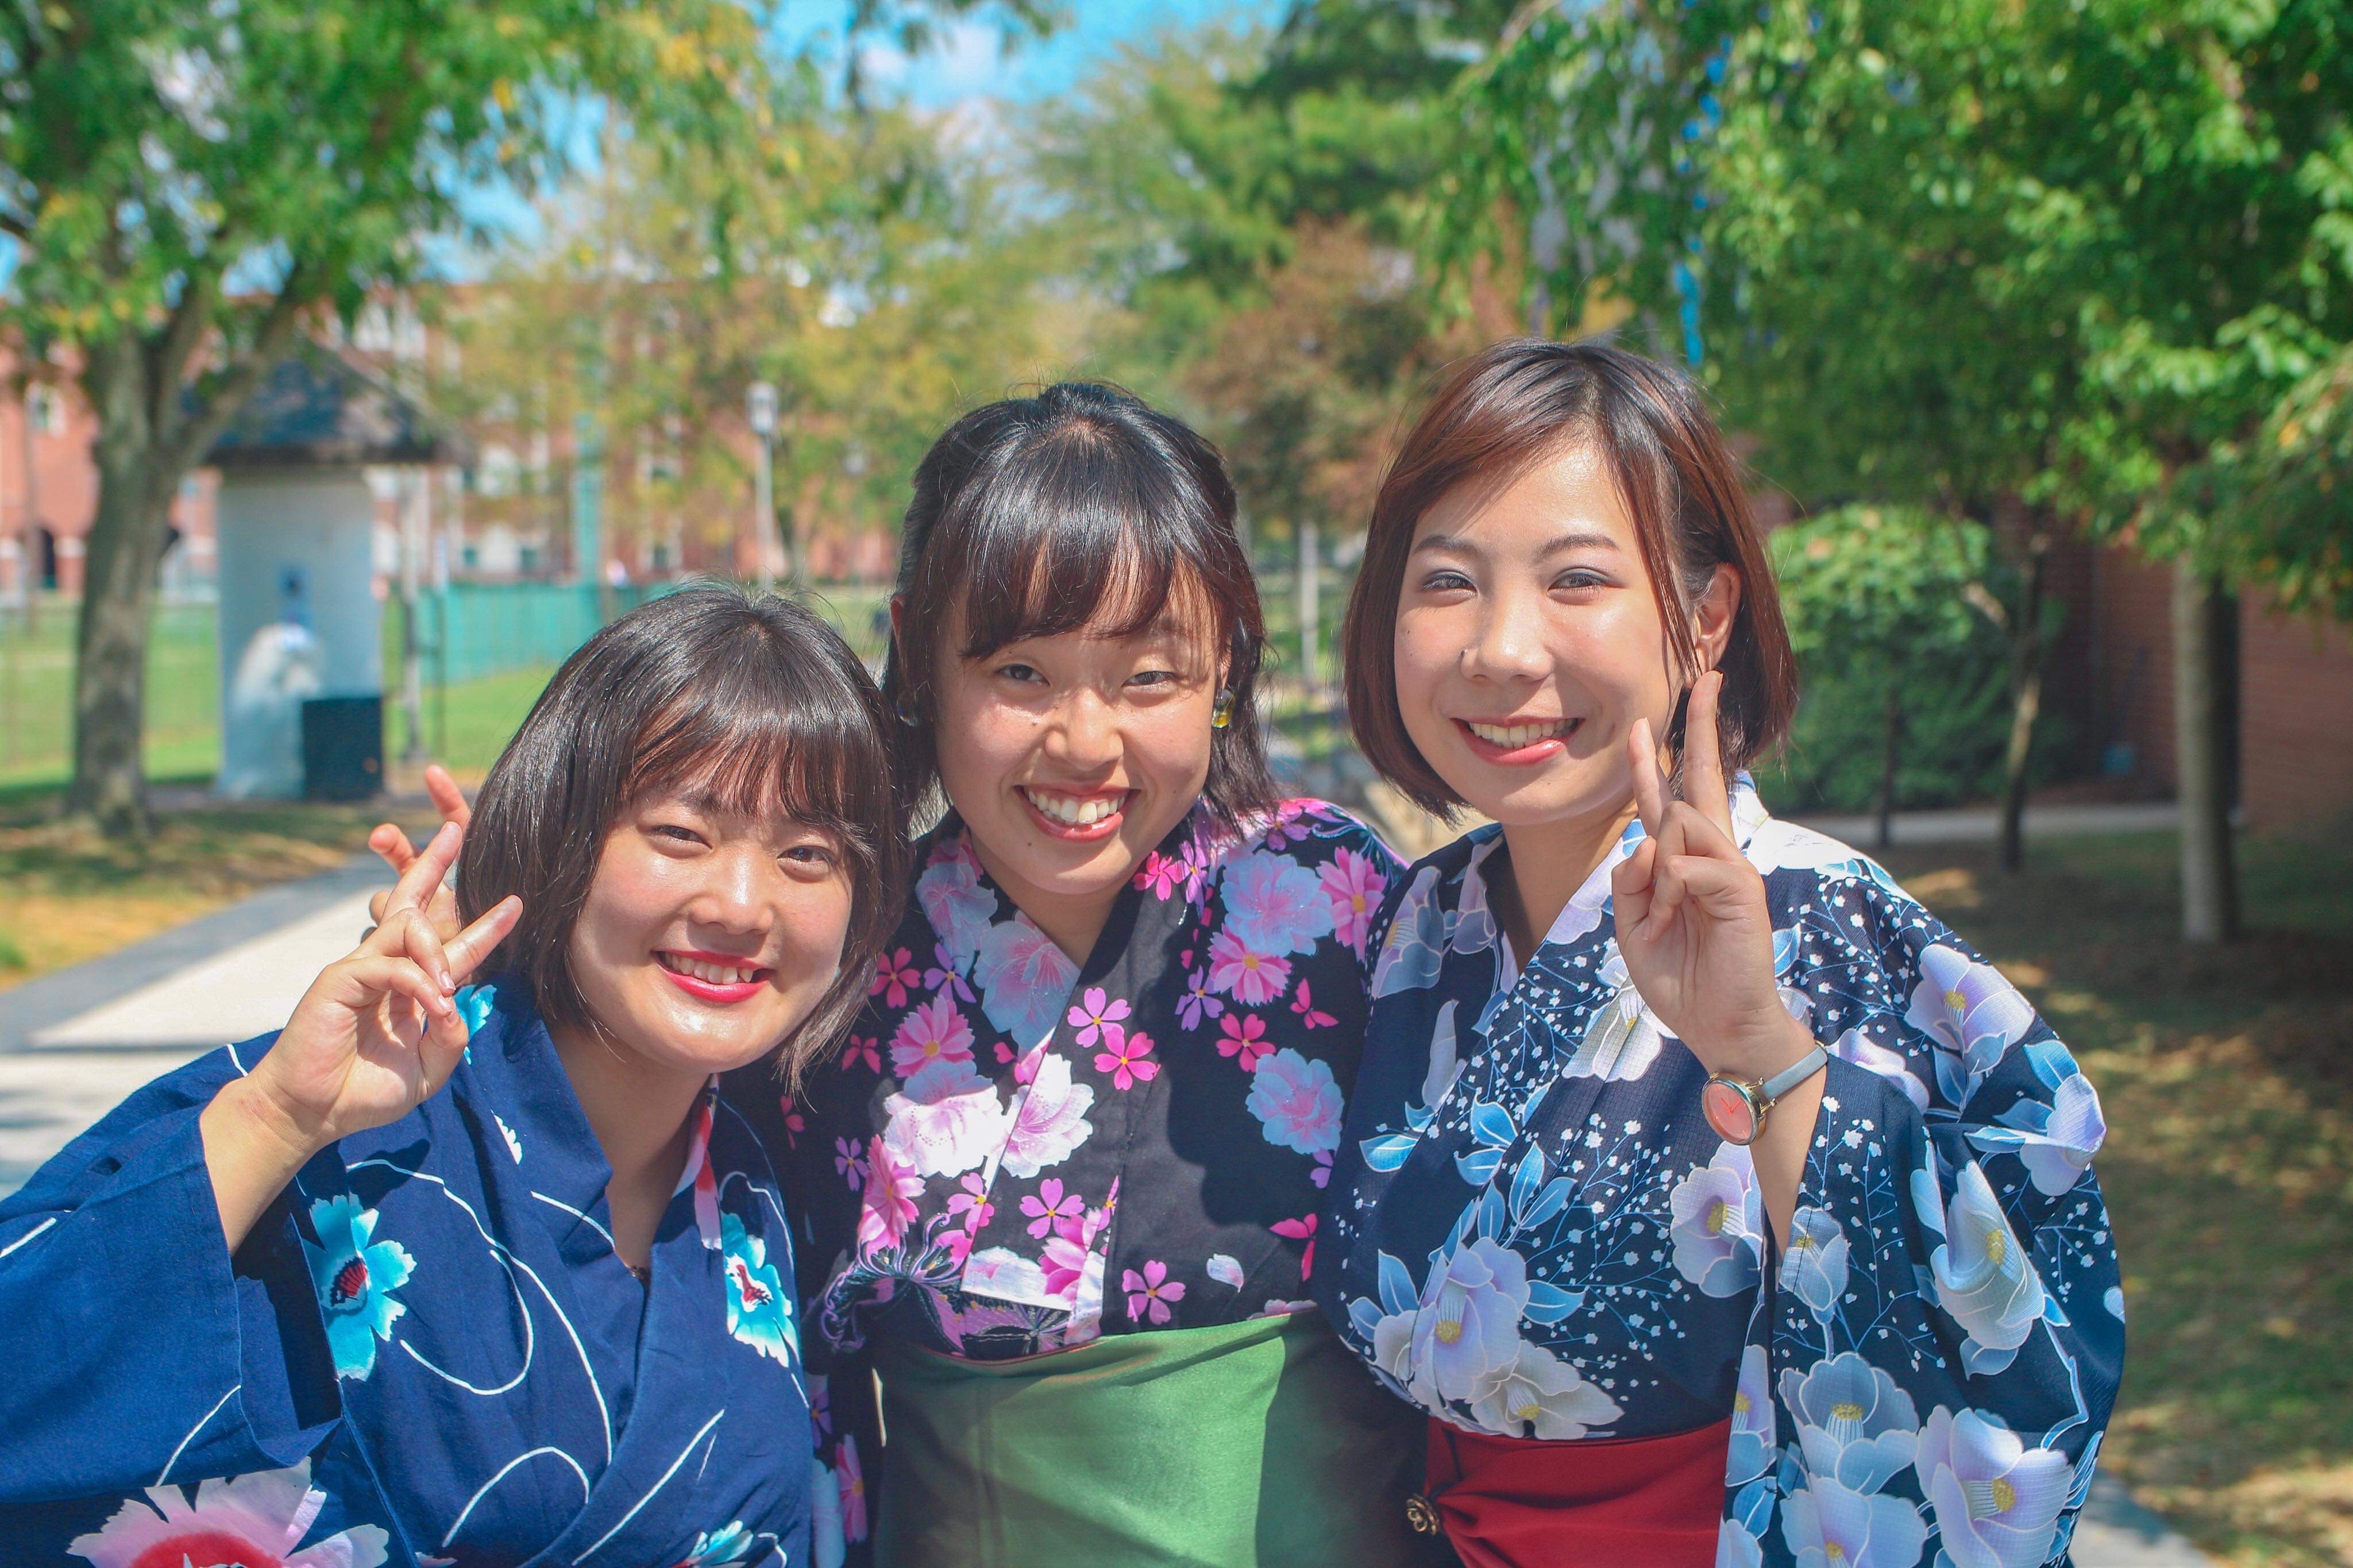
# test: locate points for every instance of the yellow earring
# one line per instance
(1221, 712)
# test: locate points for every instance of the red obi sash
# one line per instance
(1621, 1502)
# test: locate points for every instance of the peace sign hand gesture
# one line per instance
(1692, 925)
(375, 1037)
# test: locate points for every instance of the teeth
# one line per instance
(1075, 811)
(1517, 735)
(716, 973)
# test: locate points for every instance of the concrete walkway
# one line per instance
(73, 1044)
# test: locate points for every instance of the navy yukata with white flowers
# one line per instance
(1017, 1153)
(1533, 1232)
(426, 1352)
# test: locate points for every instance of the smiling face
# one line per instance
(708, 935)
(1529, 640)
(1070, 757)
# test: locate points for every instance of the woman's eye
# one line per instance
(1578, 581)
(815, 857)
(1445, 582)
(1155, 678)
(1022, 672)
(675, 833)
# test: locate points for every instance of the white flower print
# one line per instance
(1856, 1047)
(2057, 1153)
(1854, 1425)
(1416, 943)
(1754, 1438)
(1814, 1265)
(1004, 1275)
(1967, 1007)
(1997, 1501)
(1984, 1277)
(1735, 1548)
(1828, 1526)
(1466, 1333)
(947, 1119)
(1541, 1396)
(1049, 1119)
(252, 1518)
(1622, 1040)
(1718, 1224)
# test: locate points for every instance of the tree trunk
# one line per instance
(2209, 883)
(118, 599)
(1309, 611)
(2025, 696)
(1889, 751)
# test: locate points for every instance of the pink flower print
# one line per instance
(1123, 1058)
(1321, 1174)
(850, 1163)
(1284, 824)
(1297, 1101)
(1353, 886)
(1150, 1293)
(942, 974)
(1301, 1229)
(1160, 874)
(1245, 1037)
(795, 1123)
(891, 1189)
(1274, 904)
(1023, 979)
(1251, 978)
(1070, 1250)
(934, 1032)
(973, 1204)
(851, 1480)
(1050, 1117)
(894, 975)
(1095, 1011)
(1304, 1006)
(1051, 1203)
(1197, 1003)
(1004, 1055)
(255, 1518)
(862, 1050)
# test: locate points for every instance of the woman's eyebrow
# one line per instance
(1562, 543)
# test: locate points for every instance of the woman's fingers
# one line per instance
(1649, 790)
(389, 842)
(387, 974)
(447, 798)
(423, 948)
(473, 945)
(1703, 783)
(1630, 885)
(422, 875)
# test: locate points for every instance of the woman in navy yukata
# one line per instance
(487, 1275)
(1716, 1202)
(1062, 1186)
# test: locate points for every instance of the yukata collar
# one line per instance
(1475, 927)
(518, 1082)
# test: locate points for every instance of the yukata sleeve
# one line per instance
(1935, 1366)
(137, 1347)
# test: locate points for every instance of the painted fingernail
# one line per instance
(447, 982)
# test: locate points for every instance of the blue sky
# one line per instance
(965, 60)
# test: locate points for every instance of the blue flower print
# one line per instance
(719, 1548)
(759, 1314)
(1416, 945)
(1855, 1426)
(356, 1277)
(473, 1004)
(1814, 1266)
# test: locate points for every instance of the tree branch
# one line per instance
(169, 352)
(221, 394)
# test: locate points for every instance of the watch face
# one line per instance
(1729, 1111)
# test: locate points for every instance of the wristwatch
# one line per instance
(1736, 1107)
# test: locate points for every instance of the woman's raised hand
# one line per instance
(439, 904)
(1693, 924)
(374, 1037)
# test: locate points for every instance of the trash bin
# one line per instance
(343, 748)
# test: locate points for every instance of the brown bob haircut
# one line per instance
(1514, 404)
(752, 700)
(1082, 508)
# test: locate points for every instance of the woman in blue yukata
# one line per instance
(1062, 1187)
(487, 1275)
(1713, 1198)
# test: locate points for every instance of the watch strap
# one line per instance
(1790, 1076)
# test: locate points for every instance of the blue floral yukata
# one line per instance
(1018, 1153)
(427, 1352)
(1533, 1232)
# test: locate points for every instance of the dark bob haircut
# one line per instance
(1514, 404)
(1080, 509)
(754, 699)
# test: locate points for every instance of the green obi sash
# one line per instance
(1258, 1442)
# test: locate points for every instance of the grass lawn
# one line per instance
(2227, 1078)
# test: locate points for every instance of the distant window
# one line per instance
(48, 411)
(470, 556)
(527, 558)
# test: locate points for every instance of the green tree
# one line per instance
(190, 186)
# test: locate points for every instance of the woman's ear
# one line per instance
(1713, 616)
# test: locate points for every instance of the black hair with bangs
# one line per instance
(1080, 509)
(753, 701)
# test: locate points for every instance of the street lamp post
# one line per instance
(761, 406)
